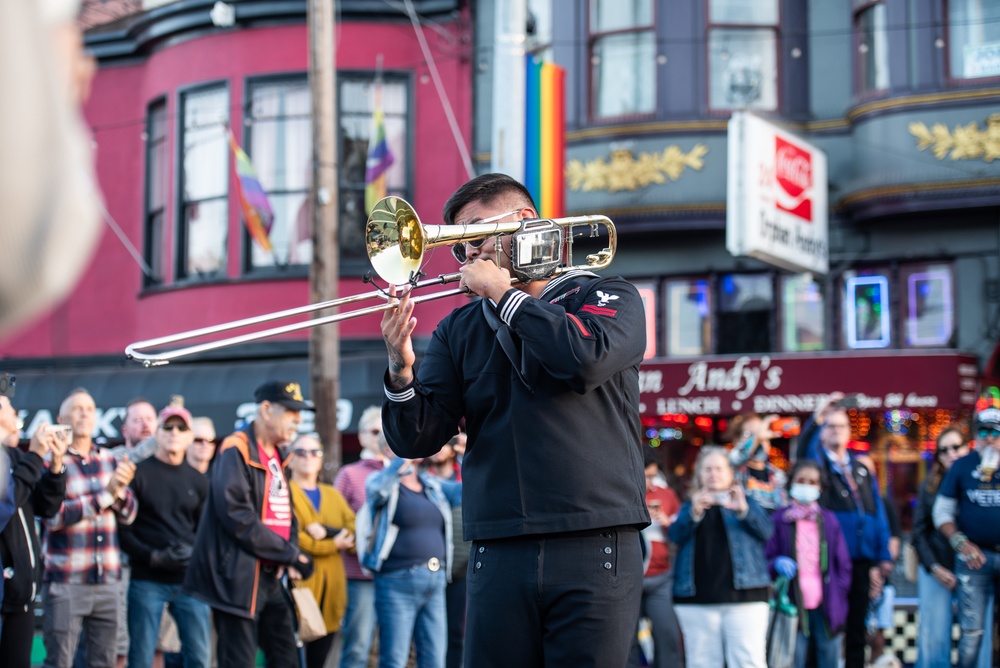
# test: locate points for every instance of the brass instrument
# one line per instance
(396, 244)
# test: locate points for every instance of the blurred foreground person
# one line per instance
(410, 551)
(248, 538)
(720, 579)
(160, 542)
(808, 548)
(545, 374)
(38, 492)
(967, 513)
(326, 526)
(937, 585)
(51, 222)
(82, 555)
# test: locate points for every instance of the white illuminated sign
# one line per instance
(867, 312)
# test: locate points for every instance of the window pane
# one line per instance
(930, 312)
(873, 49)
(974, 38)
(206, 226)
(156, 246)
(688, 311)
(357, 103)
(802, 304)
(624, 74)
(743, 69)
(541, 12)
(746, 305)
(281, 135)
(206, 150)
(752, 12)
(291, 232)
(866, 309)
(647, 292)
(608, 15)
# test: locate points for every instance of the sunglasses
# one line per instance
(458, 250)
(199, 439)
(302, 452)
(989, 433)
(171, 427)
(944, 450)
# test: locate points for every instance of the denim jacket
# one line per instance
(746, 548)
(382, 490)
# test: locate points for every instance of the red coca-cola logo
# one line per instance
(793, 172)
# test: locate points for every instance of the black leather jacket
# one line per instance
(37, 493)
(931, 545)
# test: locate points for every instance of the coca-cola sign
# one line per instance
(793, 174)
(776, 204)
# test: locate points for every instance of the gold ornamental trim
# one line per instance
(965, 142)
(624, 171)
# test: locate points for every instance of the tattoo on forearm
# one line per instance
(396, 364)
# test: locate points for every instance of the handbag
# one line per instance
(911, 562)
(782, 627)
(311, 624)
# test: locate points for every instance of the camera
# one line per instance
(849, 401)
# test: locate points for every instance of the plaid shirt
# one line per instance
(81, 540)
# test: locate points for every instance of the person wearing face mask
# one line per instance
(808, 548)
(937, 585)
(762, 481)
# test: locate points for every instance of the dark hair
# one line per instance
(486, 189)
(735, 429)
(936, 475)
(804, 464)
(650, 457)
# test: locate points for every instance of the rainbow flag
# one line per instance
(380, 157)
(545, 136)
(257, 213)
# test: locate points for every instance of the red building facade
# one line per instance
(172, 82)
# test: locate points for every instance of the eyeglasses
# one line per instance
(989, 433)
(171, 427)
(302, 452)
(458, 250)
(199, 439)
(945, 449)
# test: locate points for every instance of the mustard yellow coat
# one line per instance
(328, 583)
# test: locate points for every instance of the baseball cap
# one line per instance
(287, 393)
(175, 411)
(988, 418)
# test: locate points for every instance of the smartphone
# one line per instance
(785, 426)
(63, 432)
(849, 401)
(723, 498)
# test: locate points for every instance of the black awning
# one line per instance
(221, 391)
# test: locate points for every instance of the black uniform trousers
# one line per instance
(565, 599)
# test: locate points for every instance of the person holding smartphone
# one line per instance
(721, 580)
(762, 481)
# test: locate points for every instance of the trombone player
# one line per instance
(545, 373)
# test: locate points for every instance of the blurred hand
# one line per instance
(344, 540)
(124, 473)
(737, 500)
(973, 556)
(315, 530)
(700, 502)
(819, 417)
(43, 440)
(875, 582)
(293, 574)
(945, 577)
(786, 567)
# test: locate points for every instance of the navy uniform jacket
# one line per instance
(554, 445)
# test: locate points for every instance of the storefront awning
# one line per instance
(221, 391)
(797, 384)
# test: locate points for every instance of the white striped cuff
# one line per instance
(514, 299)
(401, 396)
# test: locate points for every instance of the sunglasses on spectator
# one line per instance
(945, 449)
(458, 250)
(200, 439)
(989, 433)
(302, 452)
(171, 427)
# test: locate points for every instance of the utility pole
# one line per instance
(324, 274)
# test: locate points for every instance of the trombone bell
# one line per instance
(394, 240)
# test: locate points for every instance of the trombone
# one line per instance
(396, 243)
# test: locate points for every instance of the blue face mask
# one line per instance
(804, 493)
